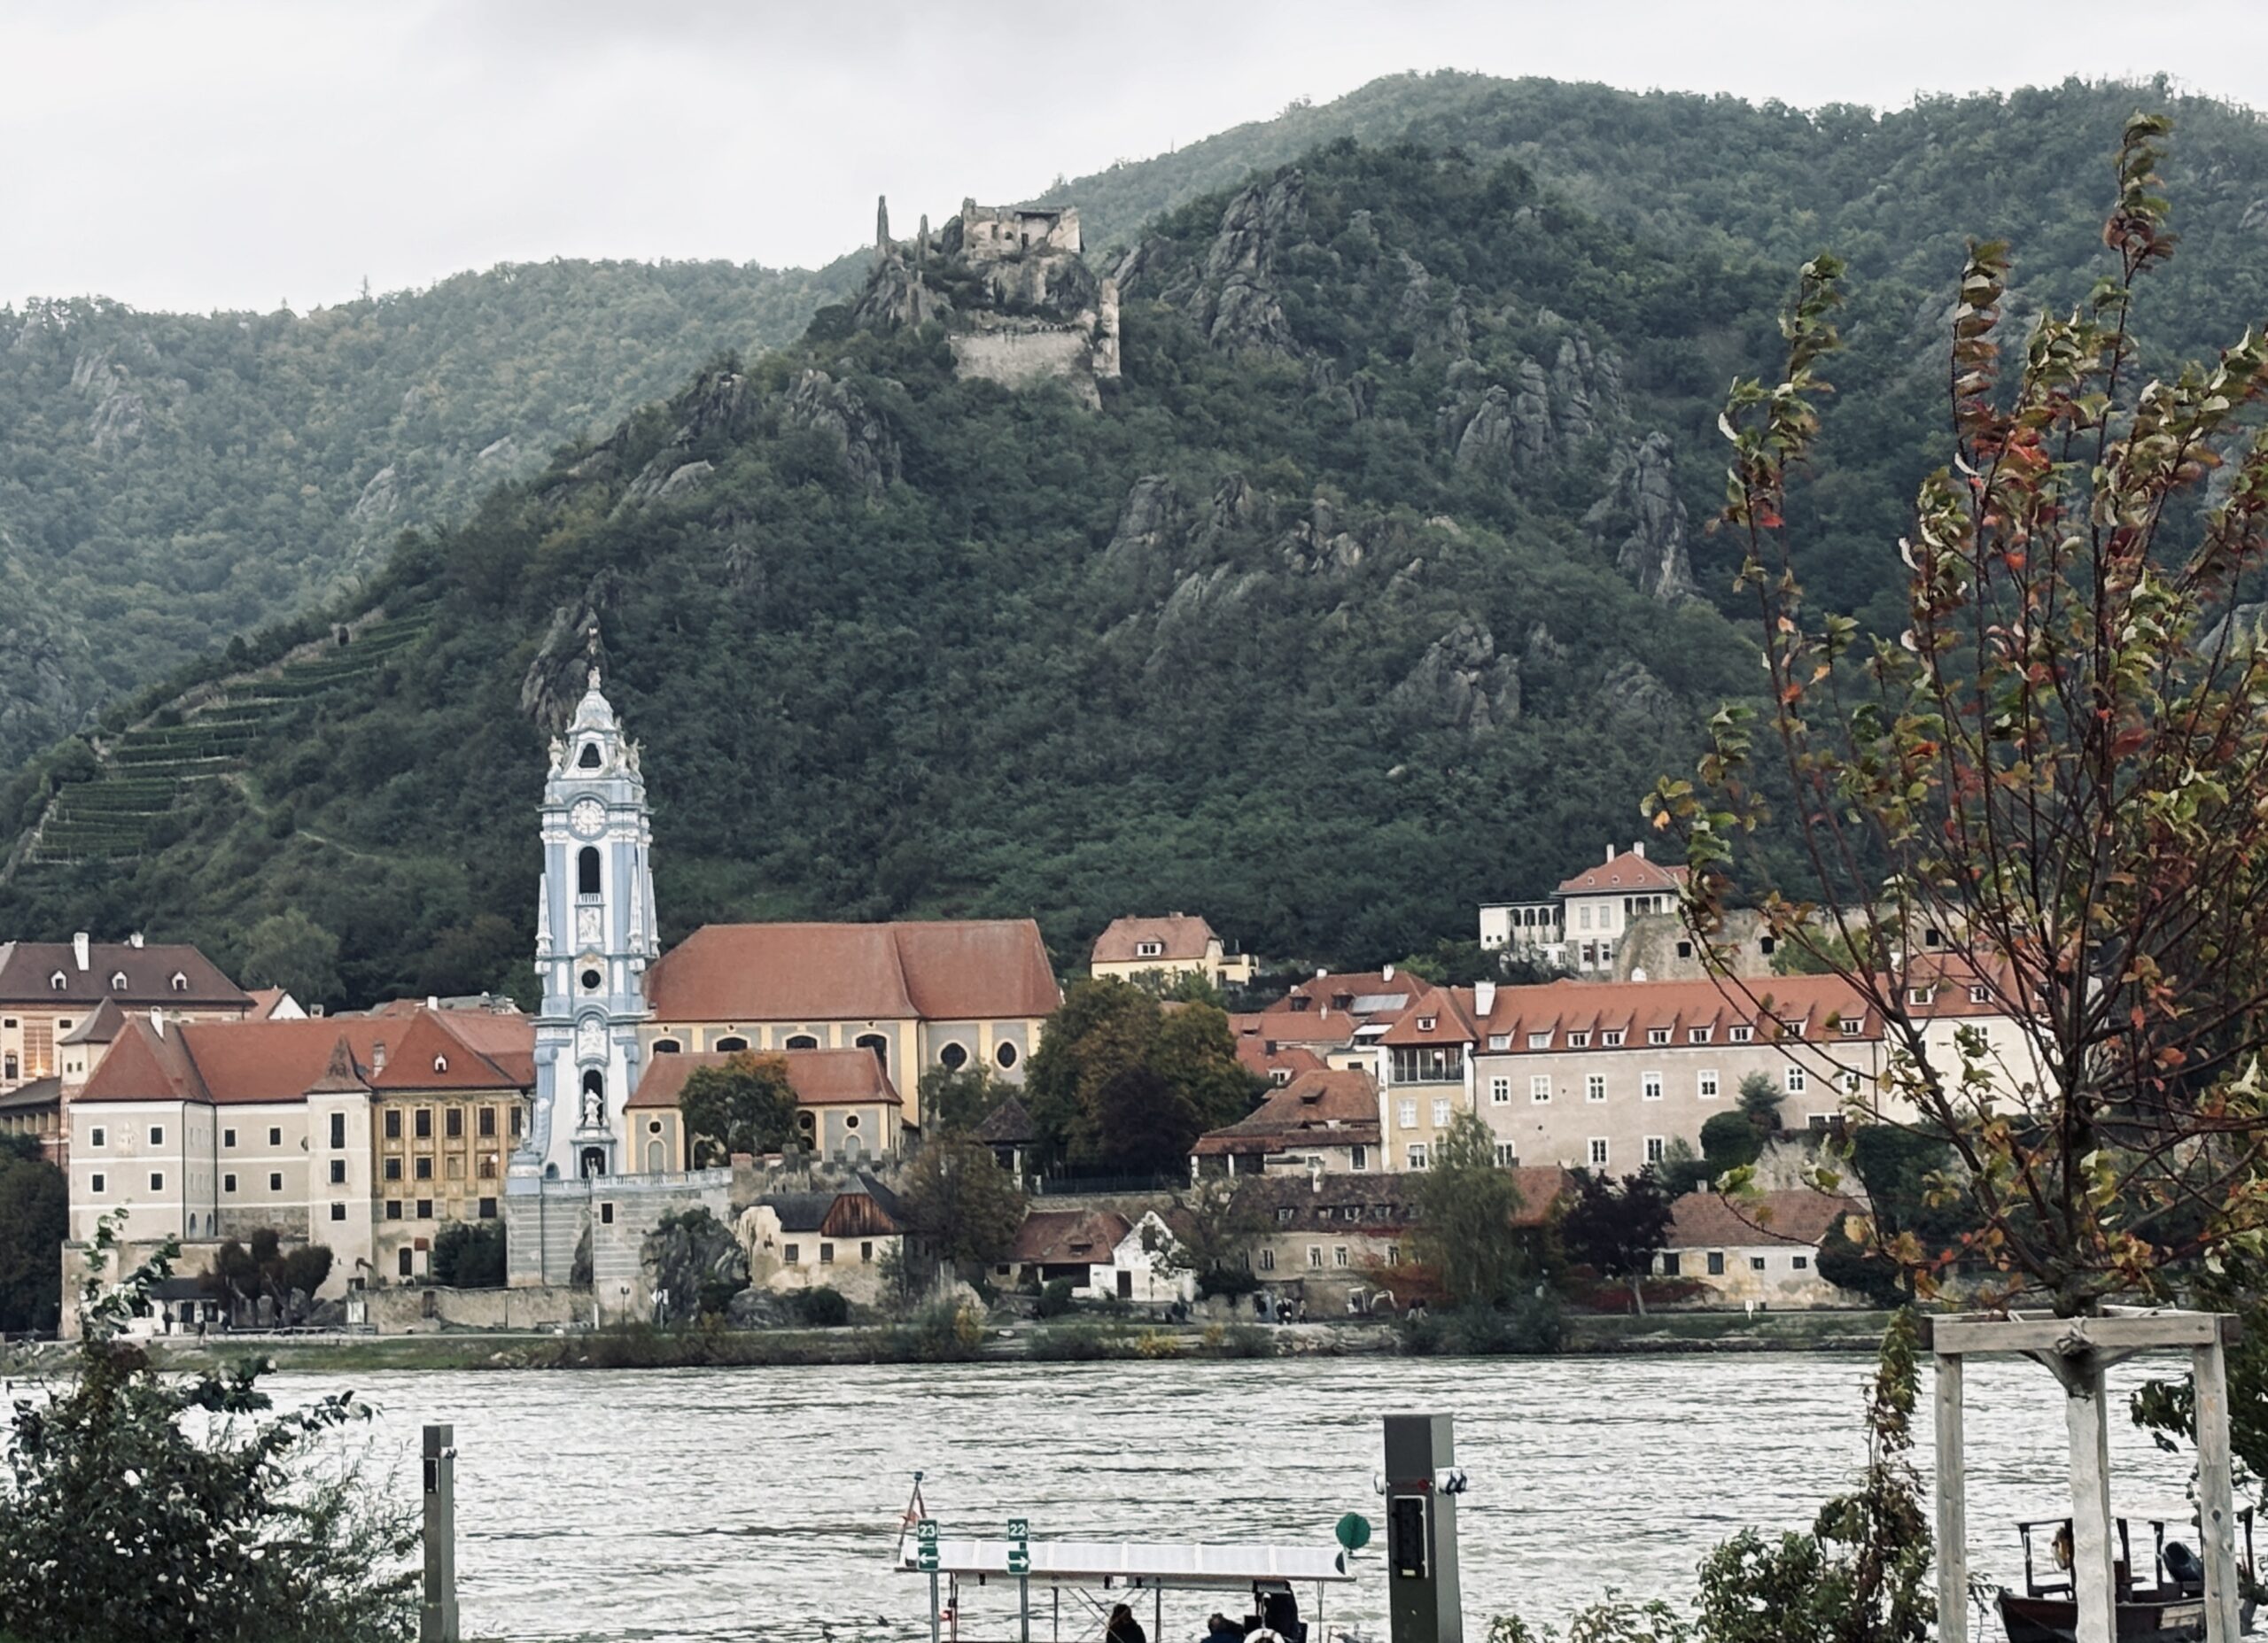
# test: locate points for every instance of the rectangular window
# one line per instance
(866, 1252)
(1507, 1156)
(1539, 1086)
(488, 1209)
(1697, 1035)
(1539, 1041)
(228, 1138)
(338, 1171)
(487, 1123)
(95, 1182)
(393, 1123)
(1716, 1263)
(1657, 1035)
(1795, 1080)
(1579, 1041)
(424, 1129)
(1756, 1263)
(1801, 1263)
(156, 1134)
(1500, 1090)
(516, 1122)
(227, 1183)
(1393, 1254)
(827, 1254)
(157, 1180)
(1656, 1149)
(487, 1165)
(1705, 1084)
(1741, 1034)
(791, 1252)
(1500, 1040)
(1417, 1157)
(1440, 1114)
(1583, 917)
(1669, 1263)
(606, 1214)
(424, 1169)
(424, 1209)
(337, 1129)
(275, 1181)
(1315, 1255)
(453, 1123)
(393, 1169)
(338, 1212)
(456, 1167)
(1612, 1038)
(1405, 1113)
(1649, 1086)
(1594, 1086)
(393, 1209)
(1359, 1156)
(1338, 1255)
(1267, 1261)
(1792, 1029)
(95, 1136)
(1428, 1064)
(1598, 1151)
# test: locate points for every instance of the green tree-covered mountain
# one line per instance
(167, 480)
(1373, 588)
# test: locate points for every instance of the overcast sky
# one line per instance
(236, 153)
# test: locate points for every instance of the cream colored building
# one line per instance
(950, 994)
(1581, 922)
(1176, 945)
(49, 989)
(1764, 1253)
(847, 1109)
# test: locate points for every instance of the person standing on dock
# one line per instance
(1124, 1628)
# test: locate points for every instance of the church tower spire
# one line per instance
(594, 937)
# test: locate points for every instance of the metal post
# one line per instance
(933, 1607)
(1952, 1506)
(436, 1618)
(1023, 1607)
(2216, 1510)
(1422, 1599)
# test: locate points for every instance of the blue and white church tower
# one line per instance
(594, 936)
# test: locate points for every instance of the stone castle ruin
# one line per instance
(1017, 299)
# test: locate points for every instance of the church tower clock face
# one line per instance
(586, 818)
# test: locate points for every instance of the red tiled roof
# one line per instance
(1058, 1237)
(819, 1077)
(1178, 936)
(231, 1062)
(27, 969)
(1818, 1004)
(1264, 1056)
(1370, 985)
(264, 1000)
(1797, 1216)
(1449, 1009)
(1318, 1108)
(989, 969)
(1280, 1024)
(1319, 1203)
(1629, 872)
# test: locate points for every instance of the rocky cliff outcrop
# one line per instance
(1240, 308)
(1461, 682)
(1641, 520)
(869, 450)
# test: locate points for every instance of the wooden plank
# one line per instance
(1953, 1509)
(1970, 1336)
(2215, 1508)
(2092, 1554)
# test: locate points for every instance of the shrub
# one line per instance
(821, 1308)
(1055, 1298)
(1080, 1341)
(1157, 1343)
(1527, 1324)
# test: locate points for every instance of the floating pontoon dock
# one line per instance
(1118, 1566)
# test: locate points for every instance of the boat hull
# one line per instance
(2138, 1620)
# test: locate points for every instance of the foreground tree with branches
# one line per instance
(2049, 793)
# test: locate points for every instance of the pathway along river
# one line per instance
(762, 1504)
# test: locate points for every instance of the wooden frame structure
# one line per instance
(2078, 1352)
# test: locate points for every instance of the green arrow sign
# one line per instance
(1020, 1559)
(925, 1542)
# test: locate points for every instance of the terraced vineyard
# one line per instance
(145, 774)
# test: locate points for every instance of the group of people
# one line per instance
(1277, 1622)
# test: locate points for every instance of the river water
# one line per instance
(764, 1504)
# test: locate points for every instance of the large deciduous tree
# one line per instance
(1615, 1227)
(35, 1218)
(2057, 773)
(1121, 1081)
(1466, 1204)
(962, 1207)
(746, 1105)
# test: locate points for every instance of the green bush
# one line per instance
(1528, 1325)
(1082, 1341)
(1055, 1298)
(821, 1308)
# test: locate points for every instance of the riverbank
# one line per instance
(1060, 1341)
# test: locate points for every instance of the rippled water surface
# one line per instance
(762, 1504)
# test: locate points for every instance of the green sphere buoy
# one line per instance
(1353, 1532)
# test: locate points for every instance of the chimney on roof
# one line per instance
(1638, 850)
(79, 950)
(378, 1056)
(135, 941)
(315, 1010)
(158, 1019)
(1638, 973)
(1610, 852)
(1387, 974)
(432, 1001)
(1484, 998)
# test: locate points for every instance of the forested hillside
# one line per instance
(1365, 593)
(167, 480)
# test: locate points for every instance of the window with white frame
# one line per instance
(1795, 1080)
(1612, 1038)
(1656, 1148)
(1977, 995)
(1500, 1040)
(1148, 949)
(1507, 1156)
(1918, 996)
(1851, 1025)
(1594, 1086)
(1704, 1083)
(95, 1136)
(1598, 1151)
(1500, 1090)
(156, 1134)
(1579, 1041)
(1657, 1035)
(1649, 1086)
(1338, 1255)
(1267, 1261)
(1441, 1112)
(1315, 1256)
(1852, 1079)
(157, 1180)
(1539, 1086)
(1539, 1041)
(1792, 1029)
(1406, 1115)
(1741, 1034)
(1417, 1155)
(1697, 1035)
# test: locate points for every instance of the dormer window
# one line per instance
(1500, 1040)
(1698, 1035)
(1976, 995)
(1148, 949)
(1792, 1029)
(1579, 1041)
(180, 982)
(57, 981)
(588, 759)
(1657, 1035)
(1741, 1034)
(1280, 1076)
(441, 1063)
(1853, 1026)
(1612, 1038)
(118, 982)
(1539, 1041)
(1917, 996)
(1426, 1023)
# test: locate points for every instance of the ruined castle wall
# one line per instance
(1013, 357)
